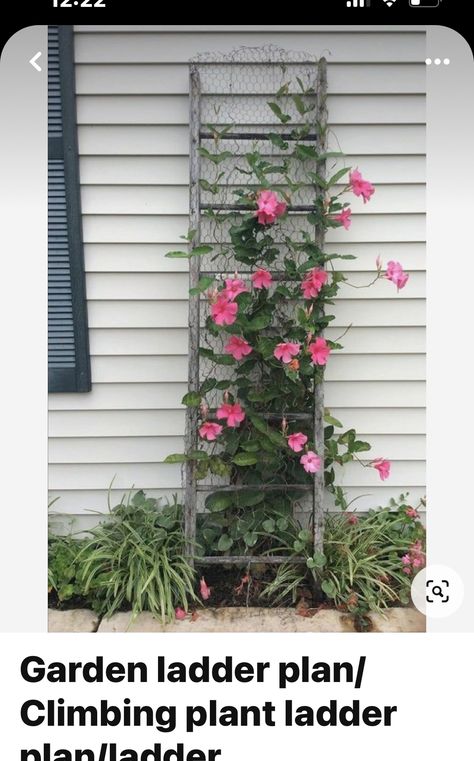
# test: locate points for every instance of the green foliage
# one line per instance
(361, 568)
(136, 559)
(63, 567)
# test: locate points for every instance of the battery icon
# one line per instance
(424, 3)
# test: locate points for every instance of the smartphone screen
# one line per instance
(237, 383)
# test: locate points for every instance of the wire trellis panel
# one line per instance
(229, 105)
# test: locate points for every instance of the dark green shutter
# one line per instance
(68, 343)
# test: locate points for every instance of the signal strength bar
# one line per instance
(358, 3)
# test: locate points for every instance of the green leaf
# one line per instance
(249, 498)
(177, 255)
(219, 500)
(306, 152)
(250, 538)
(284, 118)
(277, 140)
(259, 322)
(197, 454)
(300, 106)
(225, 543)
(282, 524)
(329, 588)
(208, 385)
(223, 359)
(172, 458)
(269, 526)
(191, 399)
(319, 559)
(202, 285)
(305, 536)
(361, 446)
(334, 179)
(244, 459)
(332, 421)
(318, 180)
(200, 250)
(250, 446)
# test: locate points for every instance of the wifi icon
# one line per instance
(389, 3)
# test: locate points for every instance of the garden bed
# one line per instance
(232, 620)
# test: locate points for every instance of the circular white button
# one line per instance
(446, 61)
(428, 61)
(437, 61)
(437, 591)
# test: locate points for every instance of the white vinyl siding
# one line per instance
(132, 85)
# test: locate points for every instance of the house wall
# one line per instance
(133, 138)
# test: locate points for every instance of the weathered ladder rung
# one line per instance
(248, 207)
(248, 559)
(257, 136)
(253, 487)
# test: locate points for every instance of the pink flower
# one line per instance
(204, 590)
(238, 347)
(233, 287)
(286, 351)
(210, 431)
(261, 279)
(361, 187)
(344, 218)
(313, 282)
(417, 562)
(383, 467)
(232, 413)
(406, 560)
(407, 570)
(180, 614)
(269, 207)
(311, 462)
(297, 441)
(396, 274)
(224, 312)
(411, 512)
(352, 519)
(319, 351)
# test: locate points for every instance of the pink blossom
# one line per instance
(353, 519)
(396, 274)
(417, 562)
(361, 187)
(406, 560)
(269, 207)
(224, 312)
(383, 467)
(344, 218)
(232, 413)
(210, 431)
(407, 570)
(319, 351)
(233, 287)
(297, 441)
(204, 590)
(261, 279)
(411, 512)
(238, 347)
(311, 462)
(286, 351)
(313, 282)
(180, 614)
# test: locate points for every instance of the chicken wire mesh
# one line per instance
(250, 111)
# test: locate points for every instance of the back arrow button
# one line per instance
(33, 61)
